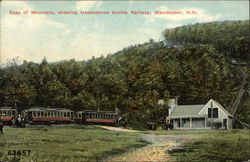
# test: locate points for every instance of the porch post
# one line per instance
(205, 122)
(190, 123)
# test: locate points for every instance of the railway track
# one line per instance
(236, 101)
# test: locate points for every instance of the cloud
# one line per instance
(29, 36)
(85, 45)
(201, 16)
(131, 2)
(87, 5)
(20, 5)
(173, 25)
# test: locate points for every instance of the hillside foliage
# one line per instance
(132, 80)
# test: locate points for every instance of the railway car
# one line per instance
(48, 116)
(96, 117)
(7, 114)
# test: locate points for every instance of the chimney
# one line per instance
(171, 104)
(176, 100)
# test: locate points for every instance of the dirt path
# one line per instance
(118, 129)
(156, 151)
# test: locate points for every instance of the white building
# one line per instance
(210, 115)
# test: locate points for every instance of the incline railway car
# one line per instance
(7, 114)
(48, 116)
(96, 117)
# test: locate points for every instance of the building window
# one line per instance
(215, 113)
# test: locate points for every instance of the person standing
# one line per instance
(1, 127)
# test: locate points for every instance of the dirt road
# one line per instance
(156, 151)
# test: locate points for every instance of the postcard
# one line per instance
(124, 81)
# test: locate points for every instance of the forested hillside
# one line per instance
(229, 37)
(132, 80)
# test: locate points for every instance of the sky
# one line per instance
(63, 37)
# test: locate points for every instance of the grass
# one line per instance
(65, 143)
(216, 145)
(91, 143)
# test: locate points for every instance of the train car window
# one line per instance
(64, 114)
(67, 114)
(39, 113)
(4, 112)
(1, 113)
(13, 113)
(34, 113)
(42, 113)
(71, 114)
(48, 114)
(61, 114)
(86, 115)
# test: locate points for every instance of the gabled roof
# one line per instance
(220, 106)
(186, 111)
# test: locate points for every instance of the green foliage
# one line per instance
(133, 79)
(229, 37)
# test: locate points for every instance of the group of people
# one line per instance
(17, 122)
